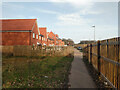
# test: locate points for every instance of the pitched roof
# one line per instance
(43, 31)
(17, 24)
(52, 35)
(48, 33)
(56, 35)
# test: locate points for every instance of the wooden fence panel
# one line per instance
(109, 61)
(94, 56)
(21, 50)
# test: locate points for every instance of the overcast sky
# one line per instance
(68, 19)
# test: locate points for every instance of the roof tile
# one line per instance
(17, 24)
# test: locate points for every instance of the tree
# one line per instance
(68, 41)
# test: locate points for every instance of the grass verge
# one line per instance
(36, 72)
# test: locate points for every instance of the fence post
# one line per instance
(107, 56)
(87, 53)
(98, 53)
(118, 83)
(107, 49)
(90, 53)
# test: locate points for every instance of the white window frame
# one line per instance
(36, 36)
(47, 35)
(33, 35)
(39, 32)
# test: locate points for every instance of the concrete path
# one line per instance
(79, 77)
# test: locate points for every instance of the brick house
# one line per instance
(53, 38)
(43, 34)
(62, 43)
(49, 40)
(19, 32)
(59, 42)
(57, 39)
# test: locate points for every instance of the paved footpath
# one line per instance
(79, 77)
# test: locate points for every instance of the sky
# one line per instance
(69, 19)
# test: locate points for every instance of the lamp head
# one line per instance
(93, 26)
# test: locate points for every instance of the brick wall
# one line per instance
(35, 31)
(15, 38)
(53, 36)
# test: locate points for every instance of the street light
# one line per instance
(94, 31)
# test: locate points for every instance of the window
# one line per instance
(36, 36)
(33, 35)
(42, 38)
(47, 35)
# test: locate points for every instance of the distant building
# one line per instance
(61, 43)
(53, 38)
(19, 32)
(43, 35)
(48, 40)
(57, 40)
(26, 32)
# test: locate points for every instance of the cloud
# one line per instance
(78, 18)
(82, 7)
(72, 19)
(12, 5)
(82, 1)
(75, 3)
(89, 11)
(46, 11)
(75, 18)
(60, 1)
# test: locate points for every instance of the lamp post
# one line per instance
(94, 31)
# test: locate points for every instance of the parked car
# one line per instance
(79, 48)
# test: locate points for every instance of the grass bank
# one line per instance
(36, 72)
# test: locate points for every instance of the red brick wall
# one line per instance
(61, 43)
(21, 38)
(43, 31)
(51, 35)
(48, 42)
(15, 38)
(35, 31)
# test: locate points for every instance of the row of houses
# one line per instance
(27, 32)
